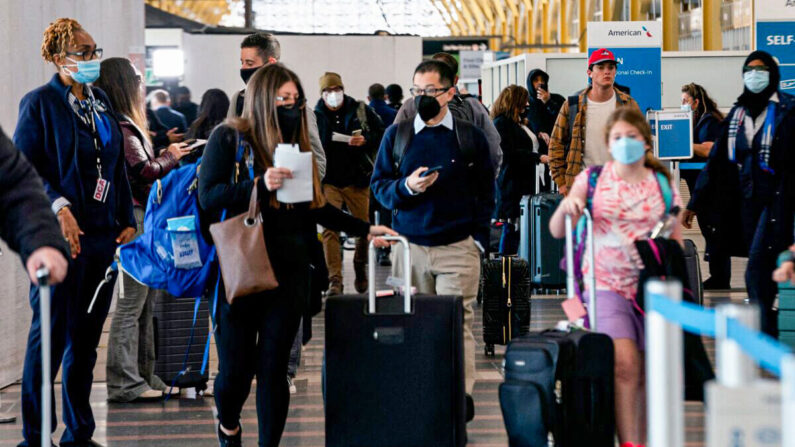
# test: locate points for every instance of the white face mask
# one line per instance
(333, 99)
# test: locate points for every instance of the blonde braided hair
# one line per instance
(58, 36)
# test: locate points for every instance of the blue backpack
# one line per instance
(150, 258)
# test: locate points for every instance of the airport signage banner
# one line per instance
(775, 34)
(638, 49)
(673, 134)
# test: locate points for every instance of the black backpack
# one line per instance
(464, 132)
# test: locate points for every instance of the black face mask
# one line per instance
(246, 73)
(427, 106)
(289, 122)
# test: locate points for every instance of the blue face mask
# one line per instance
(756, 80)
(87, 71)
(627, 150)
(685, 107)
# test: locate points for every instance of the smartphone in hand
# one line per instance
(431, 171)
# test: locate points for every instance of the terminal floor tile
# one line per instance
(190, 422)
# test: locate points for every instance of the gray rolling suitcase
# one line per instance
(394, 369)
(545, 252)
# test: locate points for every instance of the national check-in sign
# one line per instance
(638, 48)
(775, 34)
(673, 134)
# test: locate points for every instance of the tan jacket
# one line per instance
(564, 167)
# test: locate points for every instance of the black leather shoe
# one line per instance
(230, 441)
(711, 284)
(470, 408)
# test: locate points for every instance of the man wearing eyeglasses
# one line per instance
(351, 132)
(464, 107)
(436, 173)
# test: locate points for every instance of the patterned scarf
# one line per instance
(92, 106)
(740, 119)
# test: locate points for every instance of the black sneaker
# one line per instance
(470, 408)
(230, 441)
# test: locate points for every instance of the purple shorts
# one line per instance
(616, 316)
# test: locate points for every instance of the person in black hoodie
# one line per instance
(349, 165)
(254, 334)
(544, 106)
(522, 150)
(753, 165)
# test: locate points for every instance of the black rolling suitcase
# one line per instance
(579, 405)
(693, 267)
(394, 379)
(505, 288)
(180, 341)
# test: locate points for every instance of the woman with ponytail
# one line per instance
(626, 204)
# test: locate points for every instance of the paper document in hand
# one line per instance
(340, 137)
(299, 188)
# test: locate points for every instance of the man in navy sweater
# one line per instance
(438, 212)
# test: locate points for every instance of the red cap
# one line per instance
(601, 55)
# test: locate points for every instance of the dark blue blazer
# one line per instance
(47, 133)
(171, 119)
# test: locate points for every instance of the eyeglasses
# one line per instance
(430, 91)
(748, 68)
(297, 100)
(88, 54)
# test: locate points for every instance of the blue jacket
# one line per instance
(47, 133)
(171, 119)
(383, 110)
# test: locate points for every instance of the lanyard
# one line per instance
(88, 108)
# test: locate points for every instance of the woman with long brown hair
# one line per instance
(255, 333)
(131, 346)
(627, 203)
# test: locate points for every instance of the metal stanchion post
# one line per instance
(664, 371)
(43, 275)
(734, 367)
(788, 401)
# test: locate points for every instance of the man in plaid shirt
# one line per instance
(576, 146)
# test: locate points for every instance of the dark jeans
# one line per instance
(75, 336)
(254, 336)
(762, 256)
(720, 264)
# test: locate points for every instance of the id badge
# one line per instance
(101, 191)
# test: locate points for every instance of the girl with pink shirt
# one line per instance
(627, 203)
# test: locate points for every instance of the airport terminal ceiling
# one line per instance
(513, 26)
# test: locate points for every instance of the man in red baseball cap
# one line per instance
(575, 145)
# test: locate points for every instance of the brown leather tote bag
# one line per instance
(242, 254)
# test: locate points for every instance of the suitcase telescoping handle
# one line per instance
(406, 273)
(43, 276)
(591, 279)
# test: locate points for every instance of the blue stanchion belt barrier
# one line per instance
(765, 350)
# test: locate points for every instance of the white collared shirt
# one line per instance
(751, 126)
(447, 121)
(419, 124)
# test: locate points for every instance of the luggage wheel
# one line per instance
(489, 350)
